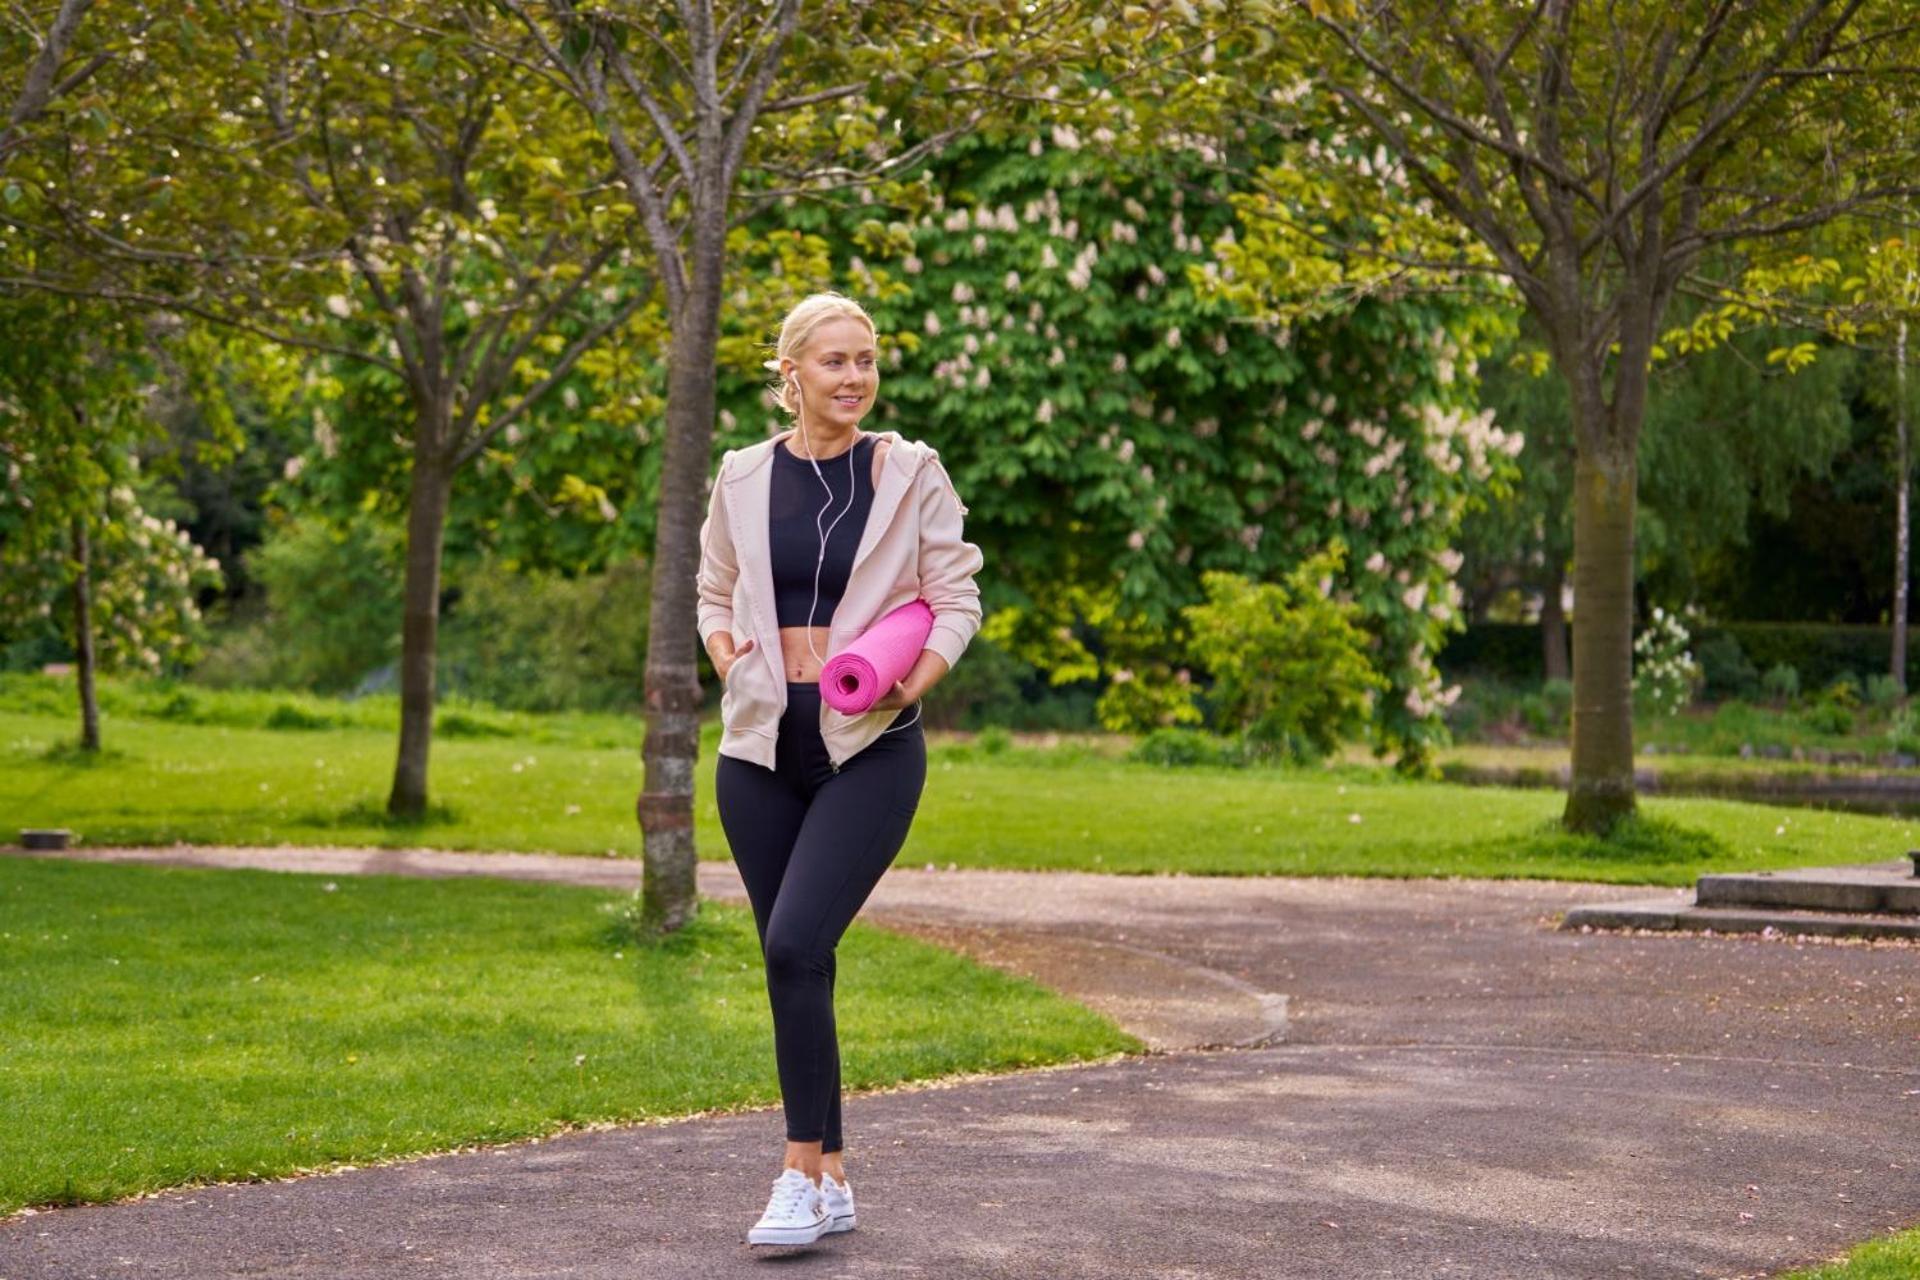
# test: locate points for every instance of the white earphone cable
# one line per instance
(821, 559)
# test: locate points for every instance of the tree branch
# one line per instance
(39, 88)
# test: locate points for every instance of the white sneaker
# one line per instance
(796, 1212)
(839, 1198)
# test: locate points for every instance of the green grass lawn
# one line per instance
(567, 784)
(1895, 1258)
(161, 1026)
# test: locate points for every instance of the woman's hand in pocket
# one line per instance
(737, 654)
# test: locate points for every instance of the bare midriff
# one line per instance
(797, 655)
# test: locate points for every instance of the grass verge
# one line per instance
(162, 1026)
(567, 785)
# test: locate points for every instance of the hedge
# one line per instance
(1819, 651)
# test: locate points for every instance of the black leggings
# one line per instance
(811, 844)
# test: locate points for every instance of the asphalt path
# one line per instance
(1349, 1078)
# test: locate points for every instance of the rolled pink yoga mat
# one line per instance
(852, 680)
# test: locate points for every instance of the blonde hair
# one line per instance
(807, 315)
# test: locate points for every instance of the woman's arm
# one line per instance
(714, 581)
(948, 563)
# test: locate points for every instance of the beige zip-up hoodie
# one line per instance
(912, 547)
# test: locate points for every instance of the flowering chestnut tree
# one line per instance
(1120, 430)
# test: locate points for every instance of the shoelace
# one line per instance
(788, 1193)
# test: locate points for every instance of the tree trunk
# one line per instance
(668, 888)
(427, 501)
(1600, 792)
(83, 637)
(1553, 621)
(1901, 519)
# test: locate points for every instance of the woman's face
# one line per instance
(838, 372)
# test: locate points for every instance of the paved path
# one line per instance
(1457, 1090)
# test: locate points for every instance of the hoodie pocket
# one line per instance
(747, 701)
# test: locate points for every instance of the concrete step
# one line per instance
(1890, 889)
(1678, 915)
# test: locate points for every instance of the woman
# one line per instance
(812, 536)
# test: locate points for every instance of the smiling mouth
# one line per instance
(848, 400)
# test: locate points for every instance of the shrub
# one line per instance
(1726, 668)
(1466, 720)
(333, 602)
(288, 716)
(1554, 705)
(466, 724)
(1782, 682)
(993, 740)
(239, 653)
(1817, 650)
(30, 693)
(181, 704)
(1182, 748)
(1535, 715)
(1842, 691)
(983, 688)
(1828, 717)
(1735, 722)
(1903, 734)
(1665, 675)
(1154, 697)
(1820, 650)
(1289, 664)
(531, 640)
(1883, 691)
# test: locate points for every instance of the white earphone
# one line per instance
(821, 559)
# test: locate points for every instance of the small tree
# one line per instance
(711, 112)
(77, 548)
(399, 188)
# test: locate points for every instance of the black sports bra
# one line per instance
(799, 510)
